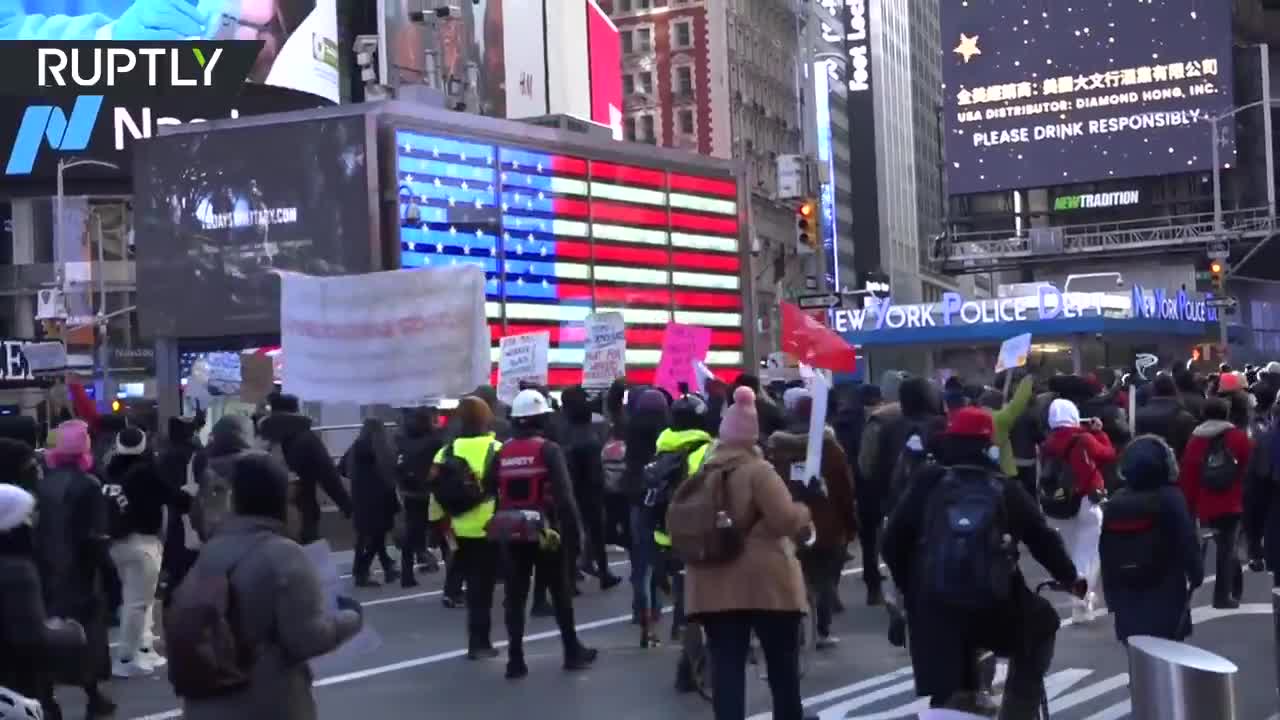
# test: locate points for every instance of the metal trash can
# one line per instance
(1175, 681)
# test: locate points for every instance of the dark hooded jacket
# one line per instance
(148, 495)
(308, 458)
(179, 452)
(644, 424)
(1166, 417)
(942, 638)
(917, 412)
(1191, 396)
(1262, 499)
(416, 446)
(1150, 496)
(372, 472)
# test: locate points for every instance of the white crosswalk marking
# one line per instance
(1085, 694)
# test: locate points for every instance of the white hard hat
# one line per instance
(16, 707)
(529, 403)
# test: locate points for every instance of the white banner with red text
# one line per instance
(384, 338)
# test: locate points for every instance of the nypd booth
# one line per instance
(1072, 331)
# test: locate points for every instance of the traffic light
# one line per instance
(1217, 275)
(807, 224)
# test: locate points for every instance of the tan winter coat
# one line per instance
(767, 575)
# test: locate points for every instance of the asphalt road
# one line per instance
(419, 669)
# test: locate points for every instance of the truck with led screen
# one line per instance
(1044, 94)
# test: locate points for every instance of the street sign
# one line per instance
(815, 302)
(1221, 302)
(1219, 251)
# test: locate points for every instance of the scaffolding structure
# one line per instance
(984, 252)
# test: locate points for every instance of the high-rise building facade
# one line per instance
(722, 78)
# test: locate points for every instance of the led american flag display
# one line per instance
(560, 237)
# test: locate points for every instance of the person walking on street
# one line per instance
(1082, 454)
(583, 452)
(173, 463)
(466, 465)
(72, 549)
(1262, 500)
(1150, 551)
(647, 417)
(416, 446)
(1212, 479)
(1165, 416)
(535, 523)
(370, 464)
(289, 436)
(30, 643)
(962, 594)
(761, 591)
(281, 610)
(137, 498)
(834, 516)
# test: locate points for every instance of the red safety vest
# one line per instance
(523, 477)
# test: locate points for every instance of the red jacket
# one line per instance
(1209, 506)
(1090, 453)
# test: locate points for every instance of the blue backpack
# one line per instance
(968, 556)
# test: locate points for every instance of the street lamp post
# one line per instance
(101, 316)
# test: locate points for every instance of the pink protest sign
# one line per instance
(682, 346)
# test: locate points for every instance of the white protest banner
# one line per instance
(386, 337)
(819, 390)
(1014, 352)
(604, 357)
(522, 358)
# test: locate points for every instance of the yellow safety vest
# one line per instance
(695, 459)
(475, 450)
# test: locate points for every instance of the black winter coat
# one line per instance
(1262, 501)
(172, 465)
(29, 650)
(942, 639)
(373, 495)
(308, 458)
(71, 545)
(415, 453)
(1167, 418)
(582, 450)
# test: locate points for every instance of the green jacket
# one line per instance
(1004, 418)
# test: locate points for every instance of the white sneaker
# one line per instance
(129, 668)
(150, 659)
(1091, 606)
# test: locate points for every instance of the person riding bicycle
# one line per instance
(951, 545)
(834, 518)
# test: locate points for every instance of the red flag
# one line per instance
(814, 344)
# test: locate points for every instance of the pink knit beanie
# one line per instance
(739, 424)
(73, 447)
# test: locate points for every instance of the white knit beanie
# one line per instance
(16, 505)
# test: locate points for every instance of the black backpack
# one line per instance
(456, 488)
(1220, 469)
(663, 475)
(118, 526)
(1059, 492)
(1133, 549)
(969, 558)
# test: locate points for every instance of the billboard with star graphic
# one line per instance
(1044, 94)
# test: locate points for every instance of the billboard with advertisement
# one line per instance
(296, 68)
(475, 36)
(1038, 95)
(524, 59)
(604, 48)
(213, 221)
(563, 235)
(567, 64)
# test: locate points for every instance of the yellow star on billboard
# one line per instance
(968, 47)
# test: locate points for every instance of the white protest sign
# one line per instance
(522, 358)
(604, 356)
(385, 337)
(364, 642)
(704, 375)
(819, 389)
(1014, 352)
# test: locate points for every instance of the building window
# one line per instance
(644, 83)
(643, 4)
(686, 122)
(643, 40)
(628, 44)
(648, 133)
(624, 6)
(629, 129)
(683, 35)
(684, 80)
(628, 85)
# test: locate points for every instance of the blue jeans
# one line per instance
(643, 597)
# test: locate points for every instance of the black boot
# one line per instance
(516, 668)
(1015, 707)
(581, 659)
(100, 705)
